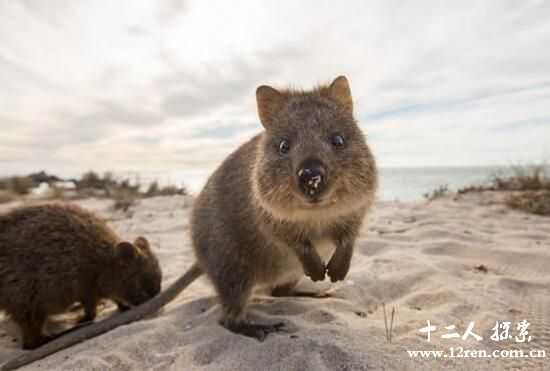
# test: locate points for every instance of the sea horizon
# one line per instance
(395, 182)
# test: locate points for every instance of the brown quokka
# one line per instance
(288, 203)
(52, 256)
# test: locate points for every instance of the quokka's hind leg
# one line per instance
(122, 307)
(31, 328)
(234, 295)
(90, 310)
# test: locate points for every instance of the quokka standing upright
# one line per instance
(288, 202)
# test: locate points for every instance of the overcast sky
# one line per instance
(170, 85)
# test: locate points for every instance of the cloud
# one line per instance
(170, 85)
(438, 105)
(213, 87)
(137, 31)
(520, 125)
(169, 9)
(13, 76)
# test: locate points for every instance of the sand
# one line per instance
(450, 261)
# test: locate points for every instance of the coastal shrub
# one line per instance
(124, 199)
(439, 192)
(91, 184)
(152, 190)
(7, 196)
(516, 178)
(170, 190)
(90, 180)
(531, 202)
(22, 185)
(522, 178)
(528, 185)
(57, 193)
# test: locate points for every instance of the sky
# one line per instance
(169, 86)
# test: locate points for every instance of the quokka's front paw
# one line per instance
(313, 265)
(316, 271)
(337, 270)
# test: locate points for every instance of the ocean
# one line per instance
(410, 184)
(405, 184)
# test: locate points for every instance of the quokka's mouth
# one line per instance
(318, 202)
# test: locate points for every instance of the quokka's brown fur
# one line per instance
(253, 227)
(52, 256)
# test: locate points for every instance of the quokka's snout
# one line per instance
(312, 178)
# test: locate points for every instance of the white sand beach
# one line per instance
(450, 261)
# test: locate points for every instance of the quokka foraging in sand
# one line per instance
(287, 203)
(52, 256)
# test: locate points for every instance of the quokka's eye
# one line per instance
(338, 140)
(284, 147)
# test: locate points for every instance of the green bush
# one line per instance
(531, 202)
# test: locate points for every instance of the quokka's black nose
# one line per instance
(312, 177)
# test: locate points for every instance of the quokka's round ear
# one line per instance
(126, 252)
(142, 244)
(269, 102)
(340, 92)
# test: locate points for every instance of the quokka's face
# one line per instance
(139, 272)
(313, 154)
